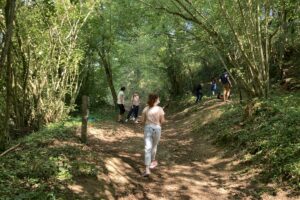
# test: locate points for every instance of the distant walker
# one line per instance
(224, 78)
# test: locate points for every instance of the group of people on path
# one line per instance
(152, 117)
(134, 109)
(224, 79)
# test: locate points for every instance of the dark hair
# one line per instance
(123, 88)
(152, 99)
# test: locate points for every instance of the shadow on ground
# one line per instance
(190, 167)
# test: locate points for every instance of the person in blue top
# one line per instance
(213, 86)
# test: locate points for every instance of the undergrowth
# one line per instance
(269, 139)
(49, 160)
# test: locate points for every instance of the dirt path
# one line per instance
(189, 166)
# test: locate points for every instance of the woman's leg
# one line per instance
(228, 93)
(148, 147)
(130, 113)
(156, 136)
(121, 112)
(136, 112)
(197, 97)
(224, 93)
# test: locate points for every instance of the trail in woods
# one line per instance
(190, 167)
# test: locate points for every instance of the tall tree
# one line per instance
(6, 60)
(240, 31)
(41, 58)
(100, 39)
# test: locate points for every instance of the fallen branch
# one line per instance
(10, 149)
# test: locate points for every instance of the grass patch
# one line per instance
(104, 113)
(270, 139)
(48, 161)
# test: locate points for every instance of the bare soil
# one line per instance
(190, 167)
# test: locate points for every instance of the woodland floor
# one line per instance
(190, 166)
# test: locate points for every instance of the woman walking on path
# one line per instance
(135, 100)
(153, 116)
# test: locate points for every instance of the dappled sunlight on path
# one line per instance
(190, 167)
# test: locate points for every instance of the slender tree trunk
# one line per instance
(5, 60)
(108, 72)
(192, 79)
(284, 31)
(19, 101)
(174, 66)
(25, 76)
(85, 115)
(9, 20)
(267, 47)
(4, 134)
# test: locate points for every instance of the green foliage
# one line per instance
(45, 56)
(49, 160)
(59, 46)
(46, 162)
(84, 169)
(269, 139)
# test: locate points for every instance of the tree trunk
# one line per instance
(5, 60)
(174, 67)
(108, 72)
(85, 114)
(4, 138)
(284, 30)
(9, 20)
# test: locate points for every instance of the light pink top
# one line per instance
(135, 100)
(153, 115)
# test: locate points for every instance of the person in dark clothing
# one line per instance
(121, 102)
(198, 93)
(225, 80)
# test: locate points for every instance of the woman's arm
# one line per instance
(162, 119)
(143, 119)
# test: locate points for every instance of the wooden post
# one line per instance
(85, 114)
